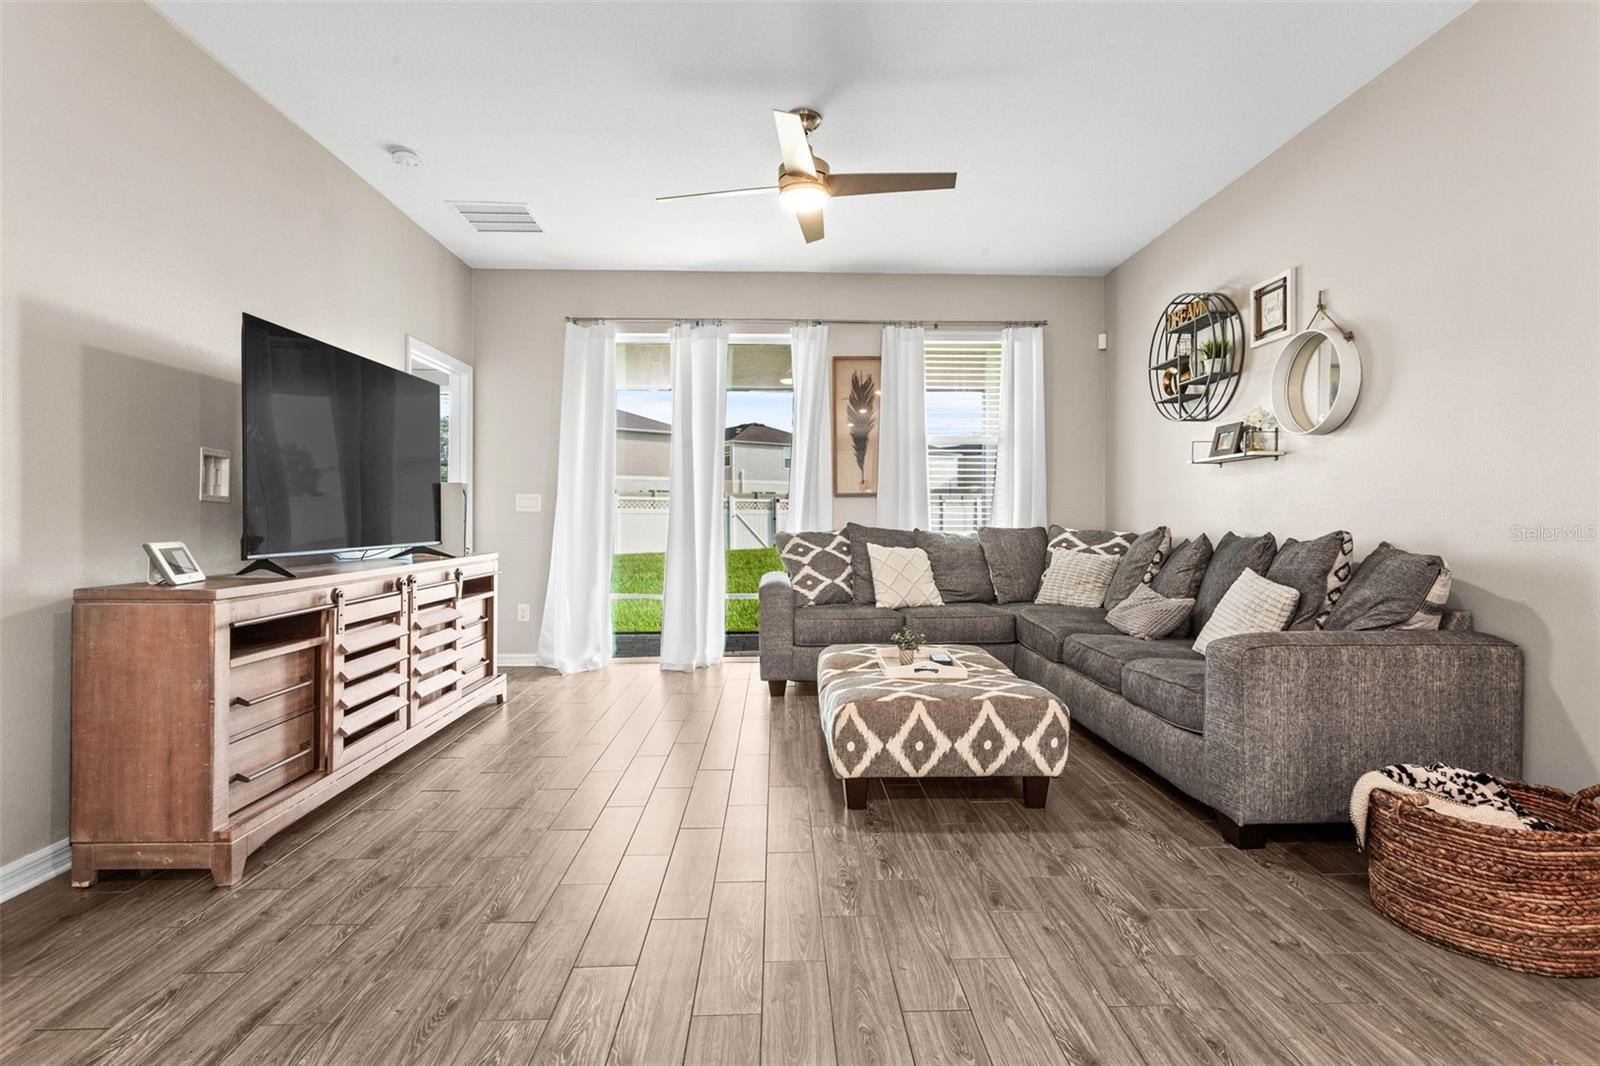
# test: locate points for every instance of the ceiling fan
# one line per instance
(805, 184)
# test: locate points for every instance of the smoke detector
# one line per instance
(404, 157)
(488, 216)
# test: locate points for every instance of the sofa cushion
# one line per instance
(1076, 579)
(818, 566)
(958, 566)
(1174, 690)
(1393, 589)
(1139, 564)
(1180, 576)
(1233, 555)
(843, 623)
(859, 537)
(1016, 559)
(1101, 657)
(1043, 627)
(1319, 570)
(962, 623)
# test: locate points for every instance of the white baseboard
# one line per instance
(517, 659)
(34, 869)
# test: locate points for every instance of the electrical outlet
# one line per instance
(524, 613)
(530, 501)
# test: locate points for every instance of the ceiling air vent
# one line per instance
(489, 217)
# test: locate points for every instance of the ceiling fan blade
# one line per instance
(811, 224)
(867, 184)
(792, 142)
(724, 192)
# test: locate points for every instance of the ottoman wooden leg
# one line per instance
(776, 687)
(855, 793)
(1034, 791)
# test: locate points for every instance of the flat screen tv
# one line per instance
(340, 453)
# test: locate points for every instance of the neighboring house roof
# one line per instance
(640, 424)
(756, 433)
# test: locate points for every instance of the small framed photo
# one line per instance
(1272, 309)
(1226, 439)
(171, 563)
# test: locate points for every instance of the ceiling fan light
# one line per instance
(803, 197)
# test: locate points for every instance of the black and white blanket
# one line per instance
(1465, 794)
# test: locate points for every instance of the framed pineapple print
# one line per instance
(856, 395)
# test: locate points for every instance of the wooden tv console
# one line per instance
(207, 717)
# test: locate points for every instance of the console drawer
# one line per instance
(268, 759)
(271, 690)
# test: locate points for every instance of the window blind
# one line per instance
(962, 379)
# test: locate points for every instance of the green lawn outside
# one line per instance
(639, 572)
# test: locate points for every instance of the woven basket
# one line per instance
(1527, 900)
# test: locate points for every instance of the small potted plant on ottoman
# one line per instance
(908, 643)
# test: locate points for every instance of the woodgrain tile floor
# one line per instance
(636, 867)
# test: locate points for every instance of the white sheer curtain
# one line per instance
(903, 432)
(575, 633)
(811, 474)
(1019, 488)
(693, 609)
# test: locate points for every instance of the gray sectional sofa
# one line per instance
(1265, 728)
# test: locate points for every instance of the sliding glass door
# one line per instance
(758, 452)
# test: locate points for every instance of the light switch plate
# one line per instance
(214, 475)
(530, 501)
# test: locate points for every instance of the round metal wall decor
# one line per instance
(1196, 356)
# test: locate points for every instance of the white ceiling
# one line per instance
(1080, 131)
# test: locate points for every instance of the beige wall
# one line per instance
(148, 198)
(518, 328)
(1449, 208)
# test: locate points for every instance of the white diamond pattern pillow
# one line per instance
(1252, 604)
(1077, 579)
(902, 577)
(818, 565)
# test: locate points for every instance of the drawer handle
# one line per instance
(245, 779)
(251, 701)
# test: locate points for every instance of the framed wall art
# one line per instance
(857, 397)
(1272, 309)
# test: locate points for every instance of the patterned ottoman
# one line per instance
(989, 724)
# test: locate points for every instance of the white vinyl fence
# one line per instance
(751, 521)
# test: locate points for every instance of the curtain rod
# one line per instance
(820, 321)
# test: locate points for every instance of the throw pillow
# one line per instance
(958, 566)
(1252, 605)
(1139, 564)
(903, 577)
(1179, 577)
(1393, 589)
(1016, 559)
(859, 537)
(1232, 556)
(1076, 579)
(818, 566)
(1319, 569)
(1148, 615)
(1094, 541)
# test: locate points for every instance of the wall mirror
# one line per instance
(1316, 382)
